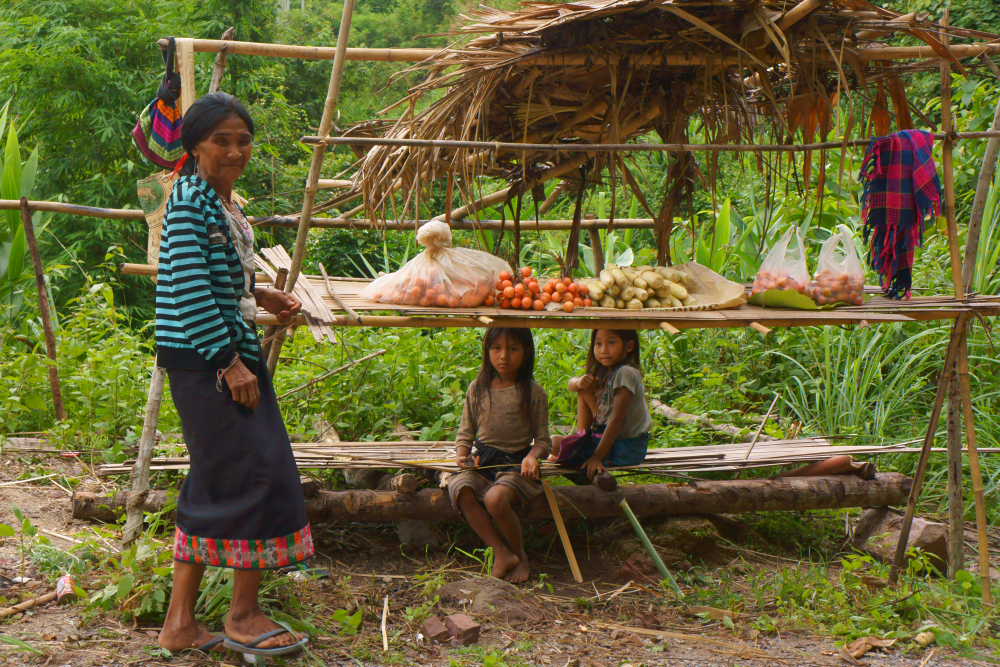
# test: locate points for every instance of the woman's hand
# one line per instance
(529, 466)
(593, 466)
(243, 385)
(277, 302)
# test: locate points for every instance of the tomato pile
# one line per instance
(525, 291)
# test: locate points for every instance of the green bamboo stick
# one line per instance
(660, 565)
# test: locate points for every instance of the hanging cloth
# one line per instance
(902, 192)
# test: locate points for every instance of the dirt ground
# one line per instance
(616, 617)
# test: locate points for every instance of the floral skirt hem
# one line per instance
(244, 554)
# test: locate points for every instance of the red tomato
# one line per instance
(545, 297)
(489, 300)
(508, 292)
(505, 275)
(519, 289)
(526, 303)
(505, 303)
(506, 283)
(568, 306)
(588, 302)
(538, 305)
(577, 302)
(525, 271)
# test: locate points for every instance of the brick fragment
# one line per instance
(463, 629)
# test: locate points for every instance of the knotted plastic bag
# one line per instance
(840, 277)
(440, 276)
(784, 266)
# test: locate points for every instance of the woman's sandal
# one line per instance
(203, 648)
(251, 646)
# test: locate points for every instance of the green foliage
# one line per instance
(17, 177)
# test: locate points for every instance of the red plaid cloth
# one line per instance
(902, 192)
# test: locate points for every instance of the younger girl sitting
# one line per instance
(612, 419)
(504, 431)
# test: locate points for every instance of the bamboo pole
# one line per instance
(140, 471)
(975, 472)
(650, 549)
(500, 146)
(948, 167)
(944, 379)
(44, 310)
(272, 50)
(798, 12)
(986, 173)
(329, 109)
(555, 60)
(550, 498)
(956, 504)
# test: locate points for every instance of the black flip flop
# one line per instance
(204, 648)
(251, 646)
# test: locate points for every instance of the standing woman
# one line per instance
(241, 505)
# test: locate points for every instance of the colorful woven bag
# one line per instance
(157, 132)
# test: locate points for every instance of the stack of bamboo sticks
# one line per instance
(439, 455)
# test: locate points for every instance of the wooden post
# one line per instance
(956, 502)
(44, 309)
(219, 68)
(918, 477)
(140, 471)
(948, 167)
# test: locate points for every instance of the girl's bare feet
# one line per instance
(178, 638)
(504, 560)
(521, 572)
(245, 629)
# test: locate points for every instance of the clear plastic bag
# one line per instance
(784, 267)
(840, 277)
(440, 276)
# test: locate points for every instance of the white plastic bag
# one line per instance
(440, 276)
(784, 267)
(840, 277)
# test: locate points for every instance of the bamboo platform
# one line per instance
(877, 310)
(439, 456)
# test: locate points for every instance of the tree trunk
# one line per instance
(708, 497)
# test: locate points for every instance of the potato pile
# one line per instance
(837, 287)
(766, 280)
(637, 287)
(431, 290)
(523, 290)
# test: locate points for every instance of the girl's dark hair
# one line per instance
(204, 116)
(525, 374)
(595, 368)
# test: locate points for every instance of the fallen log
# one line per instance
(702, 497)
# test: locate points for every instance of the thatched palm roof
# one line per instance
(607, 71)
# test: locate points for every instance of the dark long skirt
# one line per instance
(241, 505)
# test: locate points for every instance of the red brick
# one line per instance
(434, 629)
(462, 628)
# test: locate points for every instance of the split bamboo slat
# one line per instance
(317, 313)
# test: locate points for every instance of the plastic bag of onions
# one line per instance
(840, 277)
(784, 266)
(440, 276)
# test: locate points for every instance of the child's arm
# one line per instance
(619, 406)
(582, 383)
(466, 435)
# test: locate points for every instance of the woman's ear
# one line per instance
(629, 347)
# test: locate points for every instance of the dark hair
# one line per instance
(595, 368)
(204, 116)
(525, 374)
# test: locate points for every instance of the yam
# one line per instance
(678, 291)
(652, 303)
(608, 302)
(640, 283)
(634, 304)
(619, 303)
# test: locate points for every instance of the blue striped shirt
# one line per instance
(198, 321)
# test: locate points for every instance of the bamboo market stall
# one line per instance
(564, 91)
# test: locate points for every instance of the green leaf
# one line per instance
(20, 644)
(6, 530)
(783, 298)
(124, 587)
(29, 170)
(10, 178)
